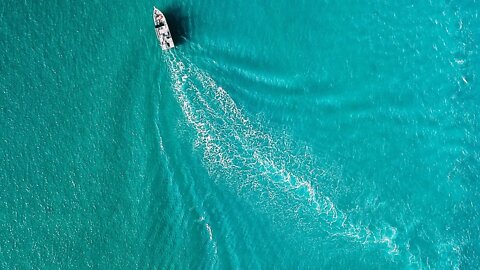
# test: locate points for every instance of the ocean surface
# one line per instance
(277, 135)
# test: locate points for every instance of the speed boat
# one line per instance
(161, 29)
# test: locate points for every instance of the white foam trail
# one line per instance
(211, 239)
(233, 146)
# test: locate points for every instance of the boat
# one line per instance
(161, 29)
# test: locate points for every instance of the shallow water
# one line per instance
(311, 135)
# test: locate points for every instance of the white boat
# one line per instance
(161, 29)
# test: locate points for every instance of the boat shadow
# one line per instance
(177, 21)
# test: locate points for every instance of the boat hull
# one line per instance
(162, 30)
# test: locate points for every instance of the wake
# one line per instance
(233, 148)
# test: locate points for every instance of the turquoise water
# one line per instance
(282, 135)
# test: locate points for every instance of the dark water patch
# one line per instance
(178, 23)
